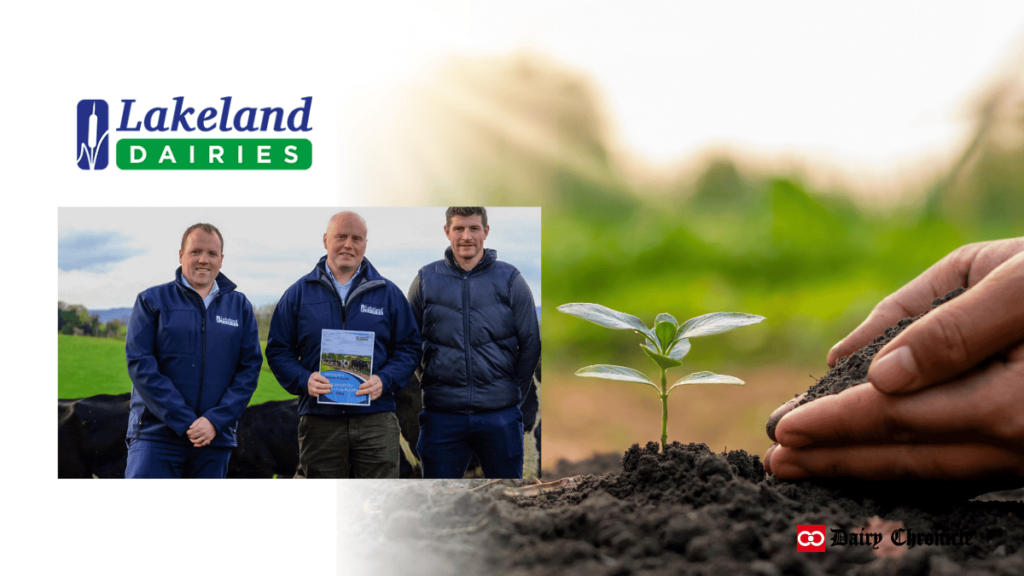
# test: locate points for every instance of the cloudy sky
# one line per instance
(106, 256)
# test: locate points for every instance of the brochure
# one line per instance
(346, 360)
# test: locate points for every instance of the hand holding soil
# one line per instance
(947, 389)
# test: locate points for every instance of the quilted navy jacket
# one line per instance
(481, 340)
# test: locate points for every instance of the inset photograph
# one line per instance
(299, 343)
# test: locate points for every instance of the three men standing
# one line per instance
(194, 358)
(345, 292)
(193, 354)
(481, 345)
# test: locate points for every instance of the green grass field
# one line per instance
(88, 366)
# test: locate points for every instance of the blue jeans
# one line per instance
(448, 441)
(151, 459)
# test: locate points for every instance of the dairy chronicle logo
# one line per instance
(810, 538)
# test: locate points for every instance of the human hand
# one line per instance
(318, 384)
(201, 432)
(374, 387)
(946, 393)
(966, 266)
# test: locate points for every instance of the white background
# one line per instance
(678, 79)
(265, 53)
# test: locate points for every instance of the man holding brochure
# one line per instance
(343, 339)
(193, 351)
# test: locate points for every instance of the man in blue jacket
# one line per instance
(193, 353)
(481, 344)
(344, 292)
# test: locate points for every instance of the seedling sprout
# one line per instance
(666, 345)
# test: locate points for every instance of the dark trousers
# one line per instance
(152, 459)
(448, 441)
(353, 446)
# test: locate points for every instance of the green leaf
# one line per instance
(664, 361)
(604, 316)
(665, 331)
(715, 323)
(706, 378)
(620, 373)
(663, 317)
(679, 350)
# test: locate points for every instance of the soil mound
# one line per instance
(607, 463)
(684, 511)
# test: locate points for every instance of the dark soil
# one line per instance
(597, 464)
(684, 511)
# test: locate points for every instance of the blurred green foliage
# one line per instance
(814, 265)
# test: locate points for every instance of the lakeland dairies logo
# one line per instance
(212, 151)
(371, 309)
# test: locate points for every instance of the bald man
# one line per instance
(344, 292)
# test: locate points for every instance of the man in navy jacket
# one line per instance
(193, 353)
(345, 292)
(481, 345)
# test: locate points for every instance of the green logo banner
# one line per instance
(214, 154)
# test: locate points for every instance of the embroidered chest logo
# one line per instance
(371, 309)
(227, 321)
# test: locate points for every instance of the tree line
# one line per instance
(75, 320)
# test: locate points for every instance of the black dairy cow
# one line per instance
(268, 441)
(91, 443)
(91, 439)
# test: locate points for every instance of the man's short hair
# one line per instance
(208, 228)
(465, 211)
